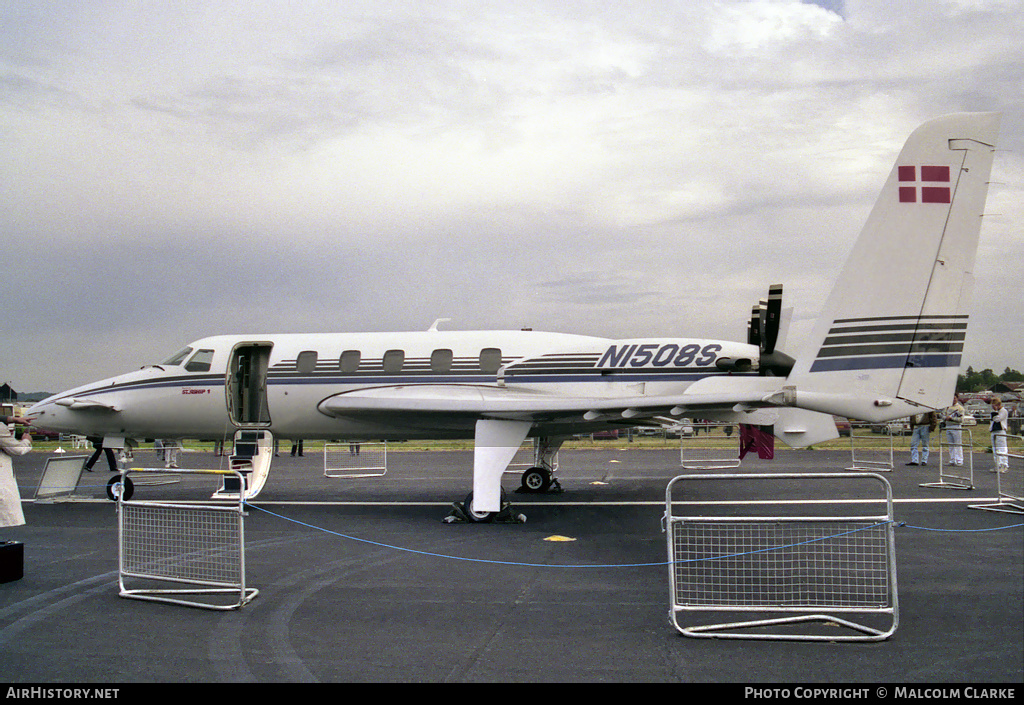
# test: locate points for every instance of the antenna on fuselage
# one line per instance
(433, 328)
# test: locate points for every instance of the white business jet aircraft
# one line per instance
(887, 344)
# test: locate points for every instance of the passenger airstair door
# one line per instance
(246, 384)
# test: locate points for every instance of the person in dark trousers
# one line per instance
(109, 452)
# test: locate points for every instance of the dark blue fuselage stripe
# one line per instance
(205, 381)
(617, 375)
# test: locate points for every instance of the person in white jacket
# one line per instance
(10, 498)
(954, 418)
(999, 428)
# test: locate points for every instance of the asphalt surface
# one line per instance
(362, 580)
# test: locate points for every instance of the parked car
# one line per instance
(899, 427)
(39, 434)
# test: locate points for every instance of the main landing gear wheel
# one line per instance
(464, 513)
(536, 480)
(118, 484)
(476, 517)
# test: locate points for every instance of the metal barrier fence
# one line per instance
(354, 459)
(807, 568)
(1008, 463)
(956, 461)
(162, 544)
(872, 451)
(60, 478)
(708, 446)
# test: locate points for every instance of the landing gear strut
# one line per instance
(496, 442)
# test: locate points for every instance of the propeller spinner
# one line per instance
(763, 331)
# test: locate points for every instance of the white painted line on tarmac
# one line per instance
(628, 503)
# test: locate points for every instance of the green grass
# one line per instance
(868, 440)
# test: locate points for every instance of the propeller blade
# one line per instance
(762, 314)
(763, 331)
(754, 328)
(771, 319)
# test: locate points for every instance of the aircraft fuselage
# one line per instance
(278, 382)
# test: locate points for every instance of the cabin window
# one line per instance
(393, 360)
(306, 362)
(441, 361)
(200, 362)
(178, 357)
(350, 360)
(490, 360)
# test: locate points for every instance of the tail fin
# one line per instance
(894, 325)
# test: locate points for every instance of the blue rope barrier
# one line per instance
(962, 531)
(615, 565)
(441, 555)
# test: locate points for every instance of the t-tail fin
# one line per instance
(893, 328)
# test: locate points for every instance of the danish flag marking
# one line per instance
(914, 189)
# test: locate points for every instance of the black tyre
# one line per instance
(536, 480)
(480, 517)
(119, 483)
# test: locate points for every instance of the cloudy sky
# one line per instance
(170, 170)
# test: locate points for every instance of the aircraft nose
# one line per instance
(44, 415)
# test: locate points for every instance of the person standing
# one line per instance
(172, 448)
(998, 428)
(923, 425)
(954, 418)
(10, 499)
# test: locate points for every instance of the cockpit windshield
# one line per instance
(200, 362)
(178, 357)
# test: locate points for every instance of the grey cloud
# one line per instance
(345, 167)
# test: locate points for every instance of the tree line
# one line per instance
(975, 381)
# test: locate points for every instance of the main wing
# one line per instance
(521, 405)
(732, 399)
